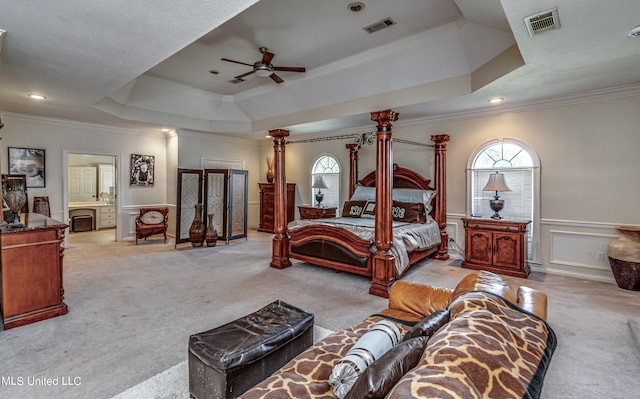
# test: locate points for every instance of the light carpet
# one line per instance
(130, 317)
(173, 383)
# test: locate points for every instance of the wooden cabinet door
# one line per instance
(478, 246)
(506, 250)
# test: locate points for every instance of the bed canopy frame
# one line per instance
(381, 264)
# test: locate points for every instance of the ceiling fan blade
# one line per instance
(243, 75)
(237, 62)
(276, 78)
(267, 57)
(289, 69)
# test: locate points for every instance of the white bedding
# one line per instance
(407, 237)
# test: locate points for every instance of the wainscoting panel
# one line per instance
(577, 249)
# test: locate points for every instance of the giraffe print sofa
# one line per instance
(493, 343)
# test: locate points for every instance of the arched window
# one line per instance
(520, 167)
(328, 168)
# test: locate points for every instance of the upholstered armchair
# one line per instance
(151, 221)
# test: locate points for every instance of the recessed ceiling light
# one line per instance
(267, 137)
(496, 100)
(166, 130)
(635, 32)
(37, 97)
(356, 6)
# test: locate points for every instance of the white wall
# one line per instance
(589, 172)
(192, 147)
(59, 138)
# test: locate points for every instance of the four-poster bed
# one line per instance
(347, 249)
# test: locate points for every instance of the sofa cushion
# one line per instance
(489, 348)
(411, 302)
(485, 281)
(429, 325)
(378, 379)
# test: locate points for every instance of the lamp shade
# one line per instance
(496, 182)
(318, 182)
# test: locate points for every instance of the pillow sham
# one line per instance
(353, 209)
(369, 211)
(378, 379)
(408, 212)
(363, 193)
(429, 325)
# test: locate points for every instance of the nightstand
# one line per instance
(496, 245)
(314, 212)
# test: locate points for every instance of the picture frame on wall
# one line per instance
(29, 162)
(142, 169)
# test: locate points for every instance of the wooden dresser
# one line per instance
(499, 246)
(315, 212)
(267, 224)
(31, 271)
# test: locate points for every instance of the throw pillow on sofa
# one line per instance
(378, 379)
(429, 325)
(381, 337)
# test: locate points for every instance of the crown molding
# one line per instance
(607, 94)
(120, 130)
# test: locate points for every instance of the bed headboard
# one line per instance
(402, 178)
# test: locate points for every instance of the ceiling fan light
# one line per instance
(264, 71)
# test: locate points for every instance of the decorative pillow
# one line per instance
(378, 379)
(369, 211)
(374, 343)
(152, 217)
(428, 326)
(353, 209)
(424, 197)
(408, 212)
(363, 193)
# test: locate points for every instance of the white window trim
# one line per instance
(340, 175)
(535, 251)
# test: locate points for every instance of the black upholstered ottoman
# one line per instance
(228, 360)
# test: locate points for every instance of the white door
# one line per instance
(106, 179)
(82, 183)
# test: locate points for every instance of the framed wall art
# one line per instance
(28, 162)
(142, 167)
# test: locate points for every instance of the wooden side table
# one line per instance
(314, 212)
(499, 246)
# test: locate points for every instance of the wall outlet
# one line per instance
(600, 256)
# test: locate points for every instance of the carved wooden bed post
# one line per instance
(383, 265)
(440, 165)
(280, 253)
(353, 167)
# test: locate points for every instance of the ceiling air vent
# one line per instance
(385, 23)
(236, 81)
(542, 22)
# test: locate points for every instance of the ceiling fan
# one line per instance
(264, 67)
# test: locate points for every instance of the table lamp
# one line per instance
(318, 182)
(496, 183)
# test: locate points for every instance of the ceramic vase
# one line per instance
(15, 197)
(624, 258)
(197, 230)
(269, 170)
(211, 236)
